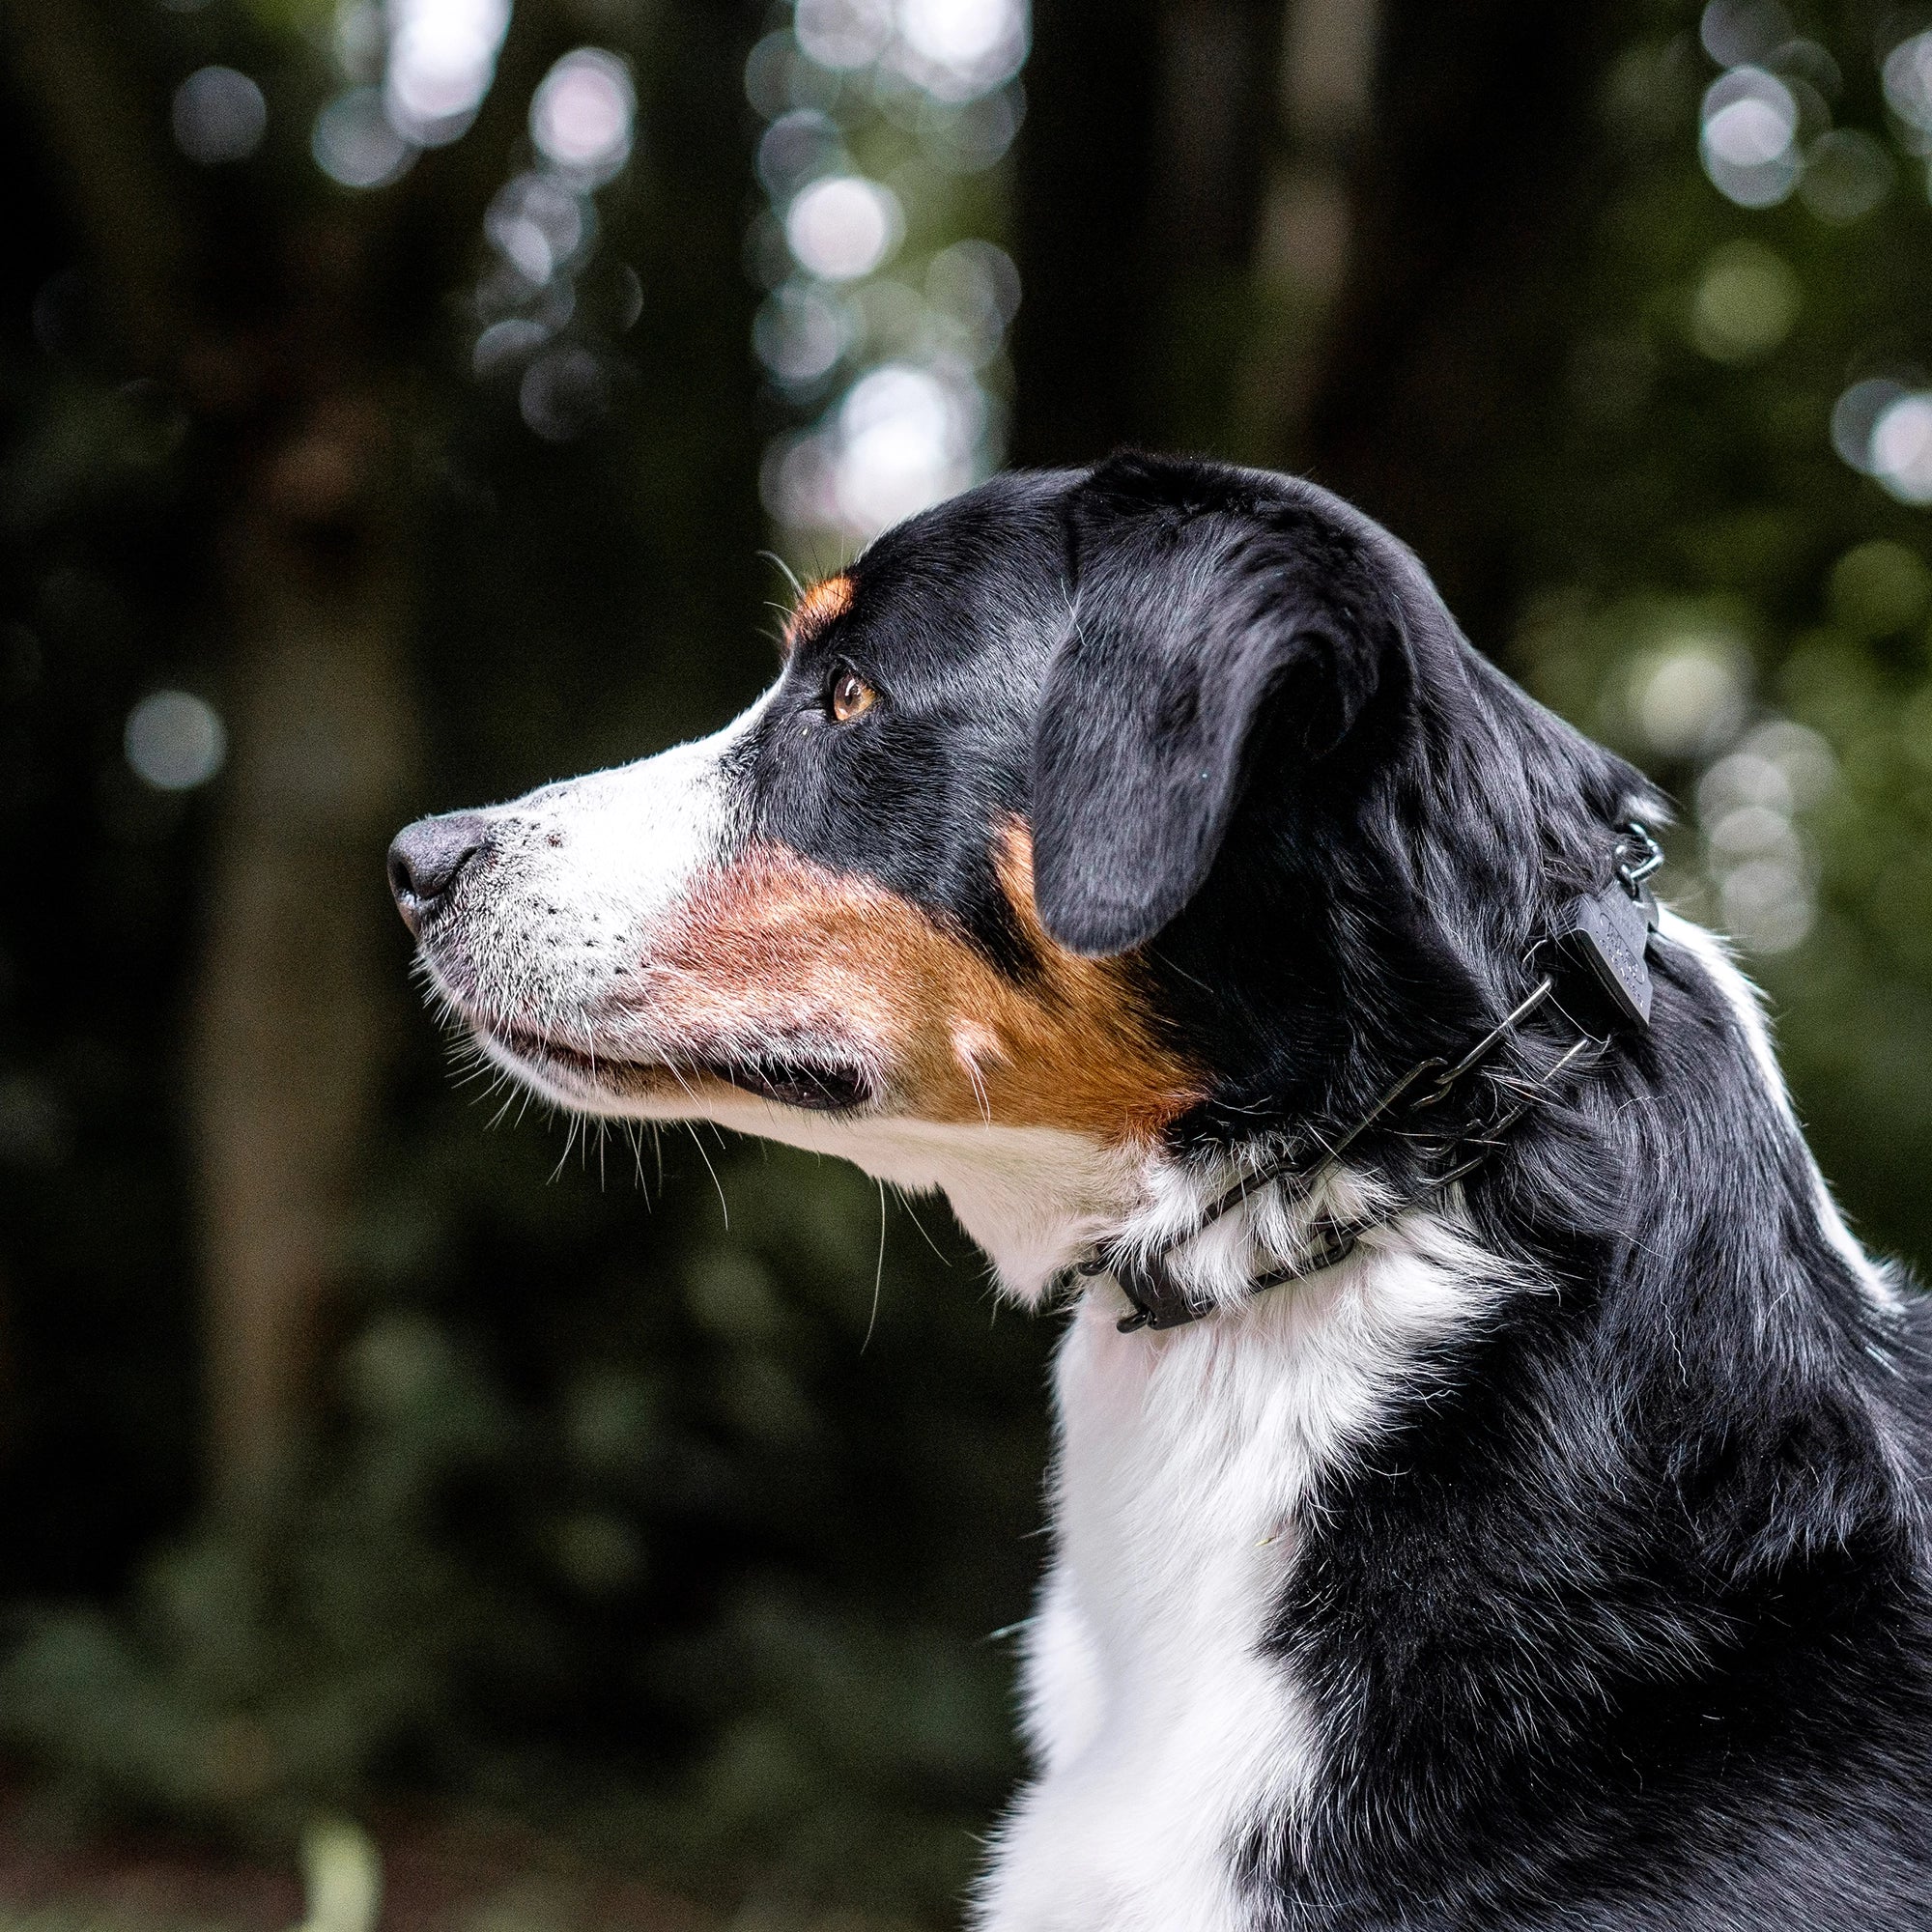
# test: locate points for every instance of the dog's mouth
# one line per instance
(819, 1084)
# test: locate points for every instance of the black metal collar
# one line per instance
(1603, 934)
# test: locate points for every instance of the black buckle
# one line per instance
(1158, 1299)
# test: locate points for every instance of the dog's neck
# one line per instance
(1187, 1235)
(1038, 1200)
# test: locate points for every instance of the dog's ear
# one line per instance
(1200, 598)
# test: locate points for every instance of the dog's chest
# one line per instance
(1182, 1465)
(1166, 1730)
(1158, 1721)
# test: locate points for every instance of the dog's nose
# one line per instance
(426, 857)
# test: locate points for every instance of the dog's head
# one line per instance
(1125, 805)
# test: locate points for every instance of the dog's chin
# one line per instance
(661, 1088)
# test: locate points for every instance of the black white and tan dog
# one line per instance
(1489, 1489)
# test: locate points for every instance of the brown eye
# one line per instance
(851, 697)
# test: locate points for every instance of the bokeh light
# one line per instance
(1746, 303)
(1737, 31)
(844, 35)
(174, 741)
(1883, 427)
(506, 345)
(218, 115)
(442, 57)
(1756, 853)
(540, 226)
(1688, 697)
(355, 143)
(905, 440)
(974, 285)
(975, 134)
(802, 331)
(906, 362)
(1879, 588)
(1901, 448)
(1760, 861)
(902, 439)
(1856, 414)
(1907, 74)
(780, 74)
(1749, 133)
(843, 227)
(583, 115)
(534, 342)
(1847, 175)
(359, 39)
(956, 50)
(1767, 895)
(564, 392)
(799, 147)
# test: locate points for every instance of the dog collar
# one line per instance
(1603, 935)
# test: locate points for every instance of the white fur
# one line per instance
(1161, 1730)
(1747, 1004)
(582, 874)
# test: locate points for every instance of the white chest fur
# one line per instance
(1163, 1733)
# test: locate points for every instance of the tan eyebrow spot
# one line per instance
(821, 602)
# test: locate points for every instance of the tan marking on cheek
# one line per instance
(777, 948)
(772, 950)
(1085, 1032)
(821, 602)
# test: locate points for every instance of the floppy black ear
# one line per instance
(1201, 595)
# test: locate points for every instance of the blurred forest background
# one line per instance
(402, 401)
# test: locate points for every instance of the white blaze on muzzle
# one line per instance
(572, 888)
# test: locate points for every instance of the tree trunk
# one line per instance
(1304, 237)
(1473, 206)
(296, 1004)
(1139, 184)
(1085, 165)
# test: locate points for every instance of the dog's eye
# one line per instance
(851, 697)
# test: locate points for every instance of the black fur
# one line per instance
(1623, 1621)
(1198, 606)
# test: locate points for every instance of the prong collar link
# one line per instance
(1645, 856)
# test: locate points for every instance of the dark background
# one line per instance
(654, 1513)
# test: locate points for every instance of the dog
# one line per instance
(1489, 1483)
